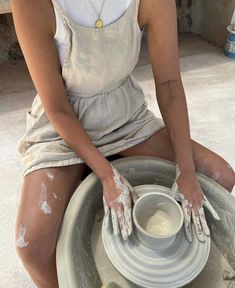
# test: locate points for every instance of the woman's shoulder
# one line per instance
(37, 14)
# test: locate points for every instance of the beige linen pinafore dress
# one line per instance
(108, 101)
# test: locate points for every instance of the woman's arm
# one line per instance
(162, 40)
(34, 28)
(164, 57)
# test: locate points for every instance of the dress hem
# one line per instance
(77, 160)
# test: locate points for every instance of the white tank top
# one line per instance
(83, 13)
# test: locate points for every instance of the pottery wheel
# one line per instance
(171, 268)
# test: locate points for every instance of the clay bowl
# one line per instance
(144, 209)
(80, 257)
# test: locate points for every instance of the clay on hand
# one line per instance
(199, 221)
(121, 210)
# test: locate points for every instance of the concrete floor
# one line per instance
(209, 84)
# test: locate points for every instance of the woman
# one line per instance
(90, 107)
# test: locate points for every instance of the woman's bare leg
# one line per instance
(206, 161)
(44, 198)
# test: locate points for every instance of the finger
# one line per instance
(125, 182)
(197, 226)
(127, 214)
(177, 171)
(208, 205)
(134, 196)
(125, 200)
(187, 210)
(106, 214)
(126, 185)
(114, 221)
(174, 190)
(116, 177)
(179, 197)
(203, 222)
(131, 190)
(122, 222)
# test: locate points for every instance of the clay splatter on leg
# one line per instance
(229, 166)
(55, 196)
(50, 175)
(216, 176)
(20, 242)
(202, 167)
(45, 207)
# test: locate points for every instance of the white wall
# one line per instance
(211, 17)
(4, 6)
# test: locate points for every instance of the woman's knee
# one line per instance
(213, 166)
(226, 176)
(33, 247)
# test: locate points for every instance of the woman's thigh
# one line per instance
(44, 197)
(206, 161)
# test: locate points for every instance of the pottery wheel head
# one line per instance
(171, 268)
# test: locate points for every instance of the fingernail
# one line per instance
(188, 232)
(124, 234)
(189, 237)
(206, 231)
(201, 237)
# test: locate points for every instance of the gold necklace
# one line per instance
(98, 22)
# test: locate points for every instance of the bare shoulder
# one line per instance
(34, 15)
(33, 21)
(162, 39)
(153, 11)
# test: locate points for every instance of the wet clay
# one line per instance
(159, 224)
(210, 277)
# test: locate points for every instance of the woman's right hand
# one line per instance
(117, 198)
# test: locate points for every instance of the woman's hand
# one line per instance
(117, 198)
(187, 190)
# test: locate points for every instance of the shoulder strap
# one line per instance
(58, 8)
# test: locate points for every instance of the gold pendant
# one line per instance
(98, 23)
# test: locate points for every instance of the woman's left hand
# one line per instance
(187, 190)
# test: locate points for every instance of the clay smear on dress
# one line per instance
(44, 205)
(20, 242)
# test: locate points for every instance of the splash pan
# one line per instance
(80, 255)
